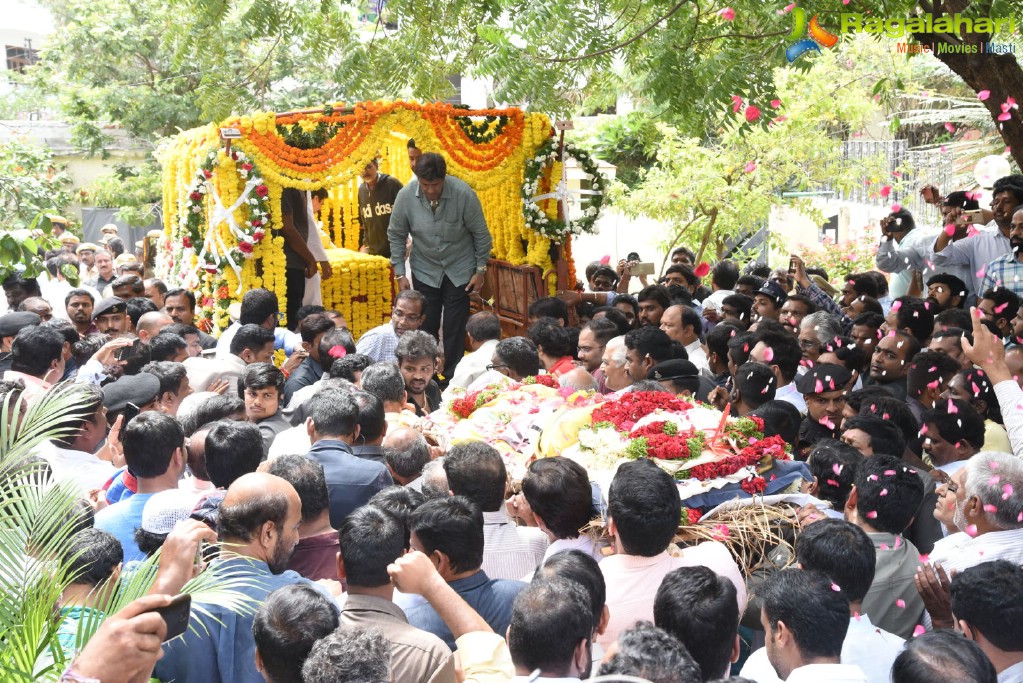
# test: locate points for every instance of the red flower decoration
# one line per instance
(702, 269)
(754, 485)
(206, 172)
(545, 380)
(338, 351)
(245, 247)
(195, 196)
(262, 190)
(186, 241)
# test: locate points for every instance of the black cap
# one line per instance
(822, 378)
(673, 369)
(139, 389)
(12, 323)
(772, 290)
(109, 305)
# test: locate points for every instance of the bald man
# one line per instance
(579, 379)
(258, 529)
(150, 325)
(406, 453)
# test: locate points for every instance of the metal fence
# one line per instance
(916, 168)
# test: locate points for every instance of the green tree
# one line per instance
(31, 186)
(713, 192)
(157, 65)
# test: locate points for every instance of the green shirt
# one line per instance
(453, 240)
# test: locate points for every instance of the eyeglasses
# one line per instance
(807, 345)
(398, 315)
(495, 366)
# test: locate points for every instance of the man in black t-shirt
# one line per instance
(376, 198)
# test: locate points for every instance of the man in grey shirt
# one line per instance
(450, 248)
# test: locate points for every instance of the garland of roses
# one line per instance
(537, 218)
(254, 229)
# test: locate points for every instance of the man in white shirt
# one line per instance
(805, 616)
(684, 325)
(989, 498)
(987, 601)
(484, 331)
(475, 470)
(408, 314)
(643, 515)
(71, 458)
(843, 553)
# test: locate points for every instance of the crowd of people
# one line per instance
(370, 551)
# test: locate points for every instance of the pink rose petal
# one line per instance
(983, 95)
(900, 603)
(919, 631)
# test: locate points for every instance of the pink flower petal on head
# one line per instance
(919, 631)
(1005, 116)
(872, 515)
(896, 208)
(896, 305)
(768, 354)
(971, 530)
(605, 259)
(988, 507)
(835, 587)
(983, 95)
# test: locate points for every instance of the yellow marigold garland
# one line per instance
(491, 161)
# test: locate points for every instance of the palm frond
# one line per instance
(37, 521)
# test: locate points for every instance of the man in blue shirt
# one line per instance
(154, 449)
(450, 532)
(451, 246)
(258, 525)
(333, 426)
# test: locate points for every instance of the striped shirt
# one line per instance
(510, 551)
(379, 344)
(958, 551)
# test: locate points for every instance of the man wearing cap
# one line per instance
(677, 376)
(69, 242)
(141, 390)
(10, 325)
(86, 252)
(824, 388)
(58, 225)
(110, 315)
(768, 301)
(105, 274)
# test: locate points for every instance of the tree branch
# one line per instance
(633, 39)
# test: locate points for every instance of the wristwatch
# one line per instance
(481, 269)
